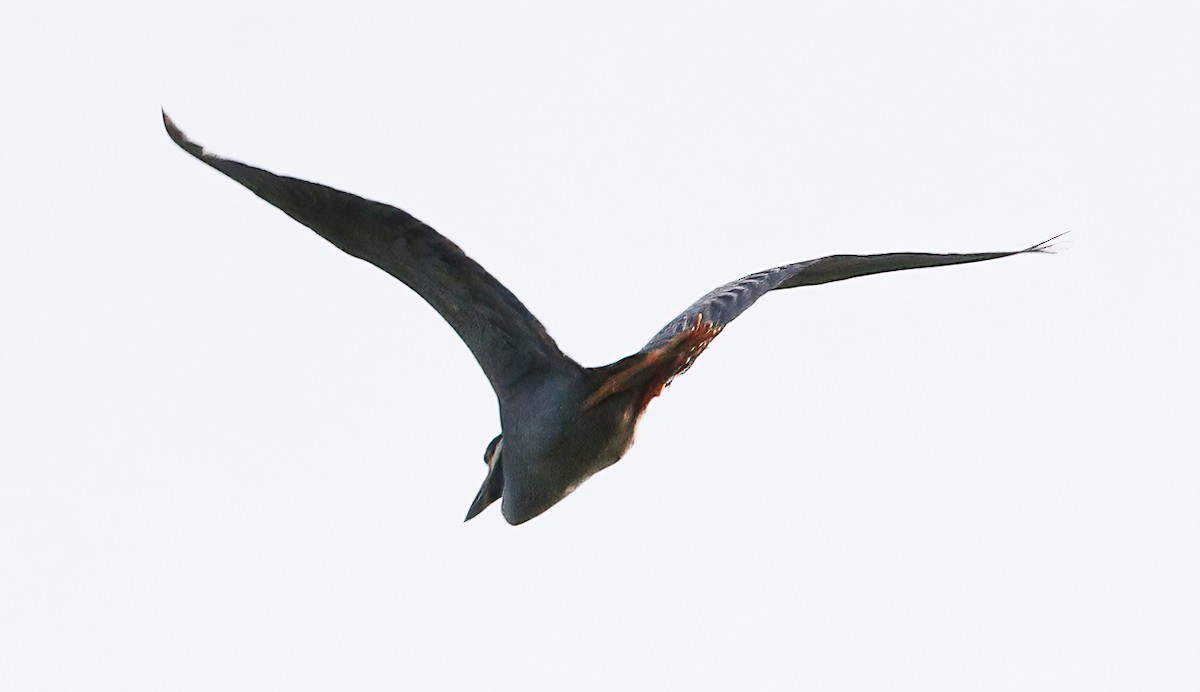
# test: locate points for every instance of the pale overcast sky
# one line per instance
(233, 458)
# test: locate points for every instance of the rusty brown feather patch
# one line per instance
(657, 368)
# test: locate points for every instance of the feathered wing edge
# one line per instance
(505, 338)
(674, 348)
(722, 305)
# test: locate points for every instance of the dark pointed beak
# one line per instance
(489, 492)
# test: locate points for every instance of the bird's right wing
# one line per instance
(503, 335)
(677, 345)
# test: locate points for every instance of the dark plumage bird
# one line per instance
(560, 422)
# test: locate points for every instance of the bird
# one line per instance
(560, 422)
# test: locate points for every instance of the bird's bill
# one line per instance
(489, 492)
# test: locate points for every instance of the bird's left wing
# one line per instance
(506, 339)
(674, 348)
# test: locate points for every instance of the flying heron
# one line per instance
(560, 422)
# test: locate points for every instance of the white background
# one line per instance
(232, 458)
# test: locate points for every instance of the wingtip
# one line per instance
(181, 139)
(1048, 246)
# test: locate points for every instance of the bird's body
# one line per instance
(560, 422)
